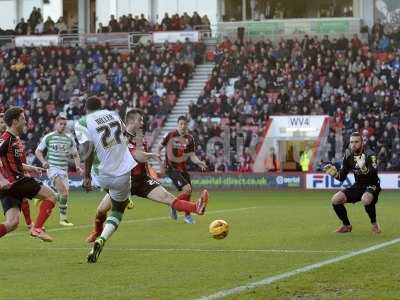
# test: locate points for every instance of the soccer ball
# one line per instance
(219, 229)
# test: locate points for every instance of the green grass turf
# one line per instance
(150, 258)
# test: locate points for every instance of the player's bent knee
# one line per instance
(64, 194)
(187, 188)
(167, 197)
(338, 198)
(366, 199)
(12, 224)
(119, 206)
(46, 193)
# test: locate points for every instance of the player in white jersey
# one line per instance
(102, 134)
(60, 146)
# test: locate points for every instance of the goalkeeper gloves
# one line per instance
(331, 170)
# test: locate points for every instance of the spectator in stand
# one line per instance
(47, 80)
(125, 23)
(61, 27)
(39, 28)
(113, 25)
(21, 28)
(102, 29)
(166, 22)
(34, 18)
(345, 80)
(49, 26)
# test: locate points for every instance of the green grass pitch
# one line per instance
(154, 257)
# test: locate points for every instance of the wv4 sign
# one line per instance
(324, 181)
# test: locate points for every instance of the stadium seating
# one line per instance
(356, 84)
(126, 23)
(49, 80)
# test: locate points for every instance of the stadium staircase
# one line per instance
(189, 94)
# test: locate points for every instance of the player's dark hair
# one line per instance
(61, 117)
(356, 134)
(11, 114)
(130, 114)
(93, 103)
(182, 118)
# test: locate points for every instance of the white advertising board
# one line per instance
(160, 37)
(323, 181)
(37, 40)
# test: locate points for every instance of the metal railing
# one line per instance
(7, 41)
(121, 41)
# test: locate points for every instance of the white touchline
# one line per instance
(272, 279)
(136, 220)
(294, 251)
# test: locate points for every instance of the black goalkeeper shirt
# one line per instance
(363, 166)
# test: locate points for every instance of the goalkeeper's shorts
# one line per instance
(356, 191)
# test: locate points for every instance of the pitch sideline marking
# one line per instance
(136, 220)
(272, 279)
(296, 251)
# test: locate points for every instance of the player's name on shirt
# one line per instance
(104, 119)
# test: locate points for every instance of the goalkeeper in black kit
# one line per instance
(362, 163)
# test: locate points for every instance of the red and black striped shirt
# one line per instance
(177, 149)
(142, 167)
(12, 156)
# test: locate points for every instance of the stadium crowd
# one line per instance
(49, 80)
(355, 84)
(128, 23)
(36, 24)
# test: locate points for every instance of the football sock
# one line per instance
(341, 212)
(26, 211)
(185, 197)
(371, 211)
(112, 223)
(3, 230)
(44, 212)
(62, 205)
(99, 221)
(183, 205)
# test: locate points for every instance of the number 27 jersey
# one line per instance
(103, 128)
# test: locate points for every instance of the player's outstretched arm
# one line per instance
(4, 183)
(39, 152)
(87, 178)
(40, 156)
(143, 156)
(33, 169)
(77, 161)
(159, 148)
(340, 174)
(201, 164)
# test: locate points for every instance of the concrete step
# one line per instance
(182, 106)
(191, 92)
(197, 81)
(195, 85)
(188, 95)
(203, 68)
(200, 76)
